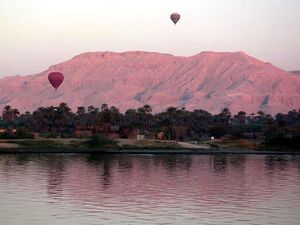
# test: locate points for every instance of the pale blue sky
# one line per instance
(38, 33)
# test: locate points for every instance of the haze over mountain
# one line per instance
(209, 80)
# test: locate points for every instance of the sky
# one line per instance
(35, 34)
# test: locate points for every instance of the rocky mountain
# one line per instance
(209, 80)
(296, 72)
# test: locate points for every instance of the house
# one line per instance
(3, 131)
(104, 128)
(7, 131)
(160, 136)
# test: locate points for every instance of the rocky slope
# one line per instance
(296, 72)
(208, 80)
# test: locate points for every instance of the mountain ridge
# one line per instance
(208, 80)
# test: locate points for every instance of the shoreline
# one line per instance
(144, 151)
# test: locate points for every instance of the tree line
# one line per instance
(174, 123)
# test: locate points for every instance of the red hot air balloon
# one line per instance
(175, 17)
(55, 78)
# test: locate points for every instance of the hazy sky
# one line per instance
(35, 34)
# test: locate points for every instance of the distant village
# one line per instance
(176, 124)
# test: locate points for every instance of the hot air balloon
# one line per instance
(55, 79)
(175, 17)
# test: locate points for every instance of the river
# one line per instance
(71, 189)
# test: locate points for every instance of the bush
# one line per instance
(21, 133)
(52, 135)
(24, 133)
(40, 144)
(237, 132)
(217, 130)
(99, 140)
(282, 137)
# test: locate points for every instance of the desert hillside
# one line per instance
(209, 80)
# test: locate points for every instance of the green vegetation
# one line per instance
(19, 133)
(40, 144)
(236, 144)
(255, 131)
(146, 144)
(99, 140)
(23, 133)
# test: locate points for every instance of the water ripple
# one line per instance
(149, 189)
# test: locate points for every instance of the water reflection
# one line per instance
(151, 189)
(238, 161)
(22, 159)
(220, 163)
(55, 176)
(277, 162)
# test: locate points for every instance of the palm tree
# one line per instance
(241, 118)
(10, 114)
(105, 116)
(65, 119)
(50, 116)
(81, 116)
(115, 115)
(145, 116)
(93, 117)
(200, 122)
(225, 117)
(168, 119)
(132, 118)
(147, 108)
(104, 107)
(25, 120)
(81, 111)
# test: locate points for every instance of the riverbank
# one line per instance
(75, 143)
(145, 151)
(133, 146)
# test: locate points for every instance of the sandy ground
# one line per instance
(181, 144)
(189, 145)
(135, 141)
(9, 145)
(65, 141)
(4, 143)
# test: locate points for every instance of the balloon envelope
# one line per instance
(55, 79)
(175, 17)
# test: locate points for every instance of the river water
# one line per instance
(71, 189)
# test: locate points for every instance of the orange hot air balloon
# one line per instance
(55, 79)
(175, 17)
